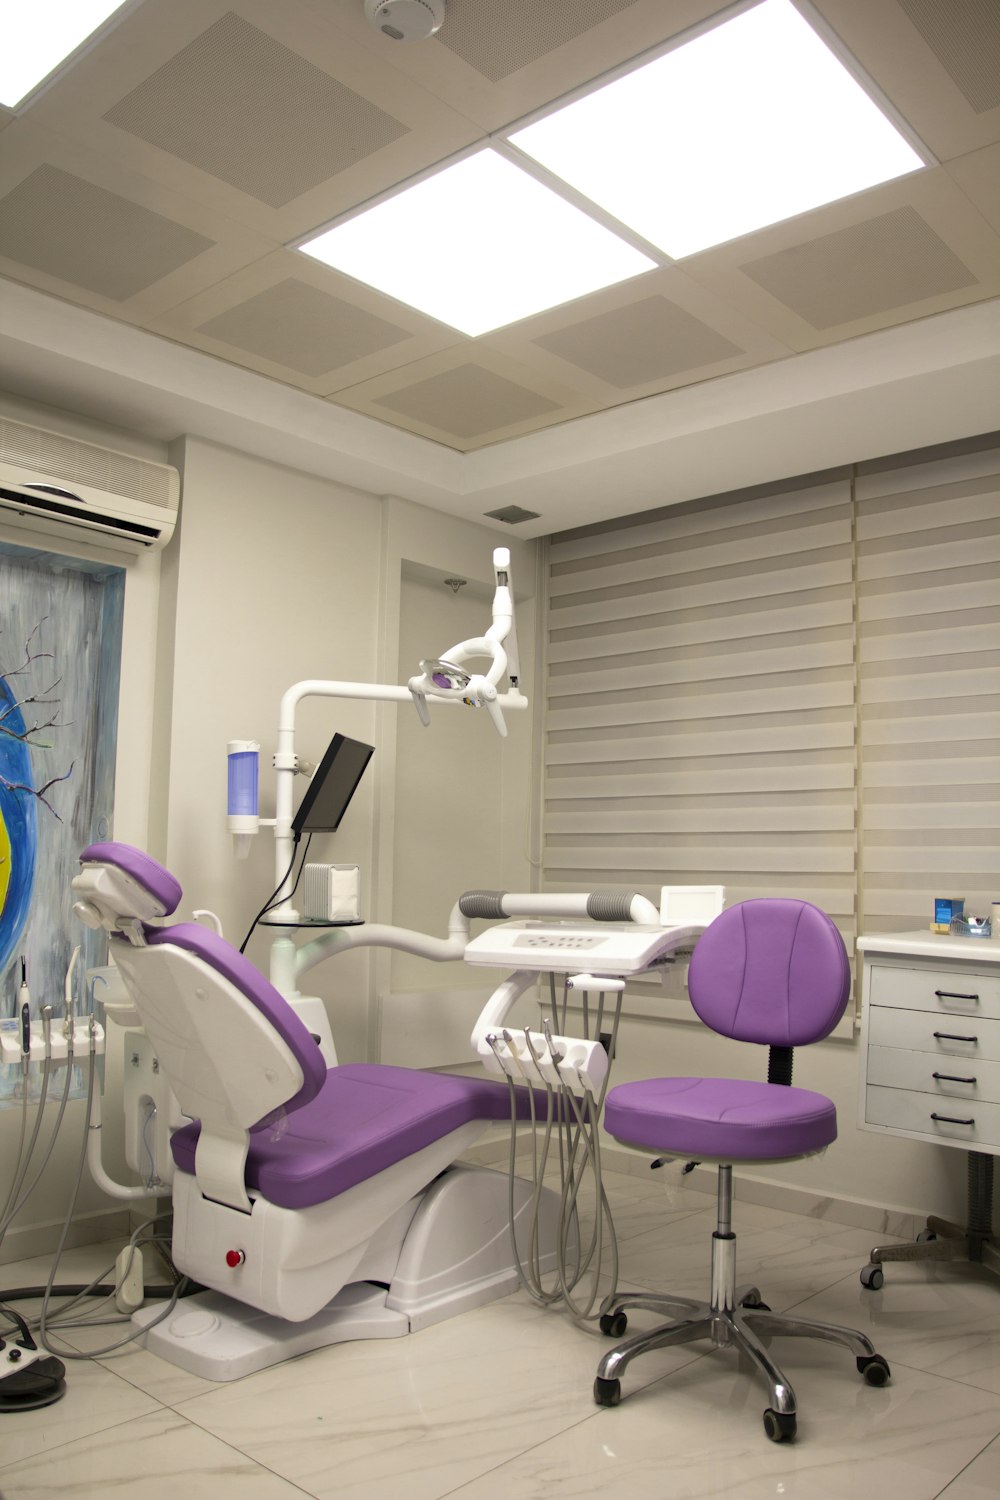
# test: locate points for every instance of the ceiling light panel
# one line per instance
(747, 124)
(41, 35)
(478, 245)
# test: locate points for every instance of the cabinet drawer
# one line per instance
(906, 1109)
(950, 1078)
(953, 992)
(955, 1037)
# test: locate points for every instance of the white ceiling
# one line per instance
(147, 196)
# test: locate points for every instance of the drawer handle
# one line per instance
(949, 1036)
(951, 1120)
(952, 1078)
(953, 995)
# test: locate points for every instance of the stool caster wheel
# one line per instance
(872, 1278)
(779, 1425)
(613, 1324)
(754, 1305)
(607, 1392)
(875, 1369)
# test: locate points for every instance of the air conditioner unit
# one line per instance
(60, 486)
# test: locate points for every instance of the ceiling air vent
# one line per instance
(511, 514)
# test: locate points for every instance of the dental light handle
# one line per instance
(610, 905)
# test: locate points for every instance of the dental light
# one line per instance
(445, 676)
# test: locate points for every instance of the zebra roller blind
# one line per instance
(788, 691)
(929, 687)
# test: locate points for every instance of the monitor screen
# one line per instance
(332, 786)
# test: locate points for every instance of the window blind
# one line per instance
(701, 700)
(929, 677)
(793, 690)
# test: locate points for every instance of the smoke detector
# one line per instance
(405, 20)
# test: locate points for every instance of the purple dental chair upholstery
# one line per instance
(773, 972)
(293, 1181)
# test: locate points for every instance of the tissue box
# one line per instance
(330, 893)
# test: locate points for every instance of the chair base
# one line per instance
(973, 1243)
(742, 1327)
(734, 1318)
(450, 1252)
(218, 1339)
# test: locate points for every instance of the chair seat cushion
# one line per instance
(731, 1119)
(366, 1117)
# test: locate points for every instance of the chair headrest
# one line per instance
(118, 883)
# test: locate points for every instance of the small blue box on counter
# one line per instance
(946, 908)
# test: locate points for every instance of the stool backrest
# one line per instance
(773, 971)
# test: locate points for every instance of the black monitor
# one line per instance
(332, 786)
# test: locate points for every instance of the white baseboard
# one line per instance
(42, 1239)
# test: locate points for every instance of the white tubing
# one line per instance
(96, 1166)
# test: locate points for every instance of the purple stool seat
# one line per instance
(730, 1119)
(365, 1118)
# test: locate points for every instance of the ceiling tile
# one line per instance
(297, 325)
(290, 318)
(89, 237)
(248, 110)
(466, 397)
(498, 40)
(965, 36)
(894, 259)
(468, 401)
(123, 244)
(647, 341)
(905, 250)
(921, 53)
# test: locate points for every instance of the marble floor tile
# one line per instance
(159, 1457)
(95, 1399)
(697, 1435)
(419, 1416)
(980, 1480)
(940, 1318)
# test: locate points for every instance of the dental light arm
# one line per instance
(446, 678)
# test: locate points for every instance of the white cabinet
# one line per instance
(931, 1039)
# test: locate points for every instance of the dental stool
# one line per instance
(315, 1204)
(773, 972)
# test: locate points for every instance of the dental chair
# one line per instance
(315, 1204)
(773, 972)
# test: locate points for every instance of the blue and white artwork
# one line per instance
(60, 660)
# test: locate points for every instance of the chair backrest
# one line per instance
(773, 971)
(230, 1044)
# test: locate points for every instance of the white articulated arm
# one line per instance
(375, 935)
